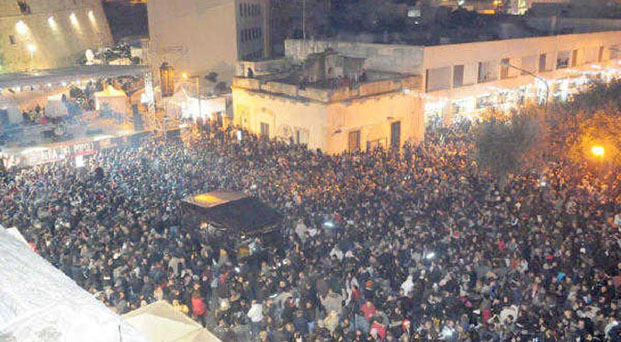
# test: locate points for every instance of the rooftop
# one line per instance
(70, 74)
(328, 91)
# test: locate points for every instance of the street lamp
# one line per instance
(509, 65)
(598, 151)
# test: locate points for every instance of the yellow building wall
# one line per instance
(284, 115)
(373, 116)
(58, 45)
(328, 125)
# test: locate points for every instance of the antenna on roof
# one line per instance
(304, 20)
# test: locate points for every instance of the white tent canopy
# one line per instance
(115, 100)
(163, 323)
(40, 303)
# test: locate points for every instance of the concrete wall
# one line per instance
(202, 36)
(58, 45)
(194, 36)
(382, 57)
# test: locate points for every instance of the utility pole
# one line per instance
(198, 96)
(304, 19)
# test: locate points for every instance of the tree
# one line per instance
(508, 146)
(371, 16)
(591, 118)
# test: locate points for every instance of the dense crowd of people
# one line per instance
(379, 246)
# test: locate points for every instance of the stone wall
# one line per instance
(34, 41)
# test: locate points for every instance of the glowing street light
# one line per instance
(598, 151)
(91, 17)
(184, 75)
(32, 48)
(52, 22)
(74, 20)
(21, 27)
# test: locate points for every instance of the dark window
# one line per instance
(600, 54)
(265, 129)
(12, 39)
(395, 134)
(488, 71)
(542, 62)
(574, 58)
(458, 76)
(504, 69)
(562, 60)
(241, 10)
(354, 141)
(23, 7)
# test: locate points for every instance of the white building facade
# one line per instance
(462, 81)
(465, 80)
